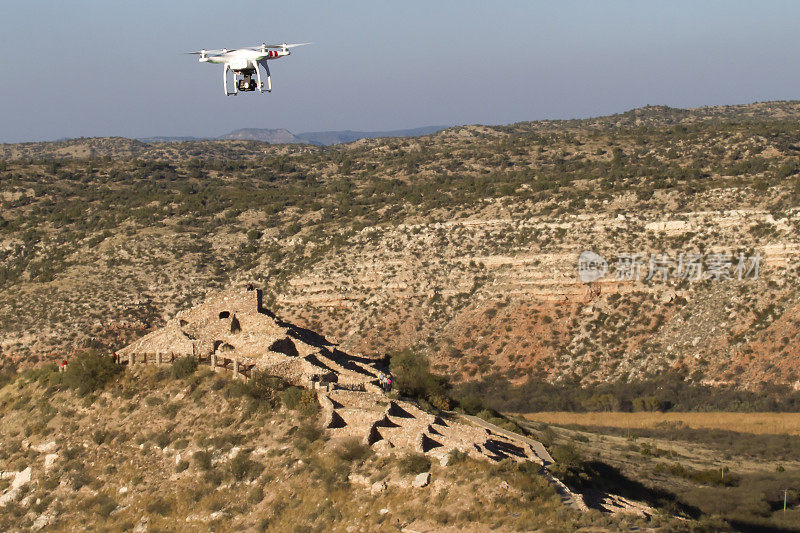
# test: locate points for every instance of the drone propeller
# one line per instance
(207, 52)
(281, 46)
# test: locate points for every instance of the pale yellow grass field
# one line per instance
(759, 423)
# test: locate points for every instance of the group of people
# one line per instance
(385, 381)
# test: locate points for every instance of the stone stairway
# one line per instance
(403, 425)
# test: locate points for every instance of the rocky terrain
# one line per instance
(464, 244)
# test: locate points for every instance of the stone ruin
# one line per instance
(232, 330)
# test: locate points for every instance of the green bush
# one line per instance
(261, 386)
(412, 377)
(302, 400)
(184, 367)
(89, 372)
(472, 404)
(40, 374)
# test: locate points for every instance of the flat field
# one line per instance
(756, 423)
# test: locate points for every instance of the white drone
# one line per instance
(244, 63)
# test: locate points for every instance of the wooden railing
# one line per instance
(239, 368)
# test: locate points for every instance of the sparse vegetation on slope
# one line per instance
(192, 452)
(461, 244)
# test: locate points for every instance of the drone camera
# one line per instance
(246, 84)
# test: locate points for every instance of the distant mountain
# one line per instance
(327, 138)
(284, 136)
(272, 136)
(170, 139)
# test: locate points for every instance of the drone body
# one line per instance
(244, 63)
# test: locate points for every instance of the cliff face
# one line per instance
(465, 244)
(522, 309)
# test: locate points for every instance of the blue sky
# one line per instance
(97, 68)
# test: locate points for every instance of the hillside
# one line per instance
(166, 449)
(464, 243)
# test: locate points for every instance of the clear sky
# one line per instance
(114, 67)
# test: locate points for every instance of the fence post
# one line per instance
(158, 358)
(235, 368)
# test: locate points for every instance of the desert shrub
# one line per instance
(40, 374)
(308, 432)
(102, 505)
(216, 502)
(171, 410)
(243, 468)
(263, 387)
(569, 466)
(255, 494)
(202, 458)
(213, 477)
(414, 463)
(184, 367)
(351, 450)
(163, 439)
(160, 506)
(7, 375)
(291, 397)
(722, 478)
(456, 456)
(302, 400)
(89, 372)
(152, 401)
(99, 437)
(79, 478)
(236, 389)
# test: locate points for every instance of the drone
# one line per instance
(244, 63)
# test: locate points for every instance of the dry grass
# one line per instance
(756, 423)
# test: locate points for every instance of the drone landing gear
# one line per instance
(225, 81)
